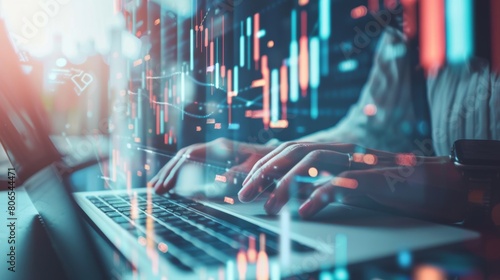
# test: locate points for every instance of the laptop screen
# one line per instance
(23, 133)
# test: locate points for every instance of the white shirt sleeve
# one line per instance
(464, 103)
(383, 117)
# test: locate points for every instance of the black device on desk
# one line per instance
(479, 163)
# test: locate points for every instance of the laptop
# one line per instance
(176, 237)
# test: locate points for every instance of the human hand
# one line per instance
(296, 160)
(242, 157)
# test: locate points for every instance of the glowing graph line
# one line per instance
(198, 83)
(174, 106)
(248, 102)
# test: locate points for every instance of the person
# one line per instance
(381, 167)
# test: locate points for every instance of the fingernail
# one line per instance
(245, 194)
(306, 208)
(246, 179)
(270, 204)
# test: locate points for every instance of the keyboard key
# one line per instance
(175, 261)
(121, 209)
(120, 220)
(128, 226)
(186, 227)
(206, 259)
(113, 214)
(168, 218)
(119, 204)
(115, 201)
(106, 209)
(209, 239)
(107, 197)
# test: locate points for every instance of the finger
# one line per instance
(164, 171)
(196, 150)
(275, 168)
(270, 156)
(163, 184)
(318, 200)
(236, 173)
(346, 184)
(301, 148)
(310, 165)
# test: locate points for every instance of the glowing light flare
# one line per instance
(359, 12)
(157, 21)
(241, 261)
(325, 19)
(370, 110)
(229, 86)
(279, 124)
(134, 210)
(284, 84)
(129, 180)
(191, 49)
(262, 260)
(137, 62)
(220, 178)
(370, 159)
(251, 252)
(428, 272)
(459, 30)
(347, 183)
(212, 59)
(303, 2)
(348, 65)
(294, 62)
(357, 157)
(284, 241)
(406, 159)
(206, 37)
(313, 172)
(256, 39)
(270, 44)
(304, 55)
(242, 46)
(315, 68)
(228, 200)
(275, 98)
(432, 35)
(410, 17)
(163, 247)
(142, 240)
(266, 91)
(229, 271)
(217, 74)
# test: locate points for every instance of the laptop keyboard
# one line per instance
(194, 232)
